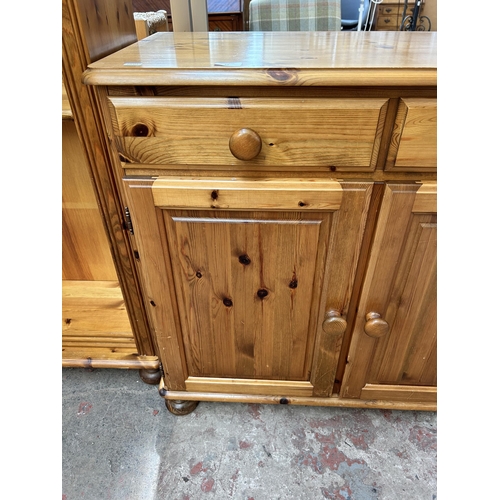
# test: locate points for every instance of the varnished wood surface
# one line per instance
(273, 58)
(400, 285)
(334, 401)
(405, 393)
(414, 140)
(225, 193)
(83, 258)
(96, 329)
(251, 288)
(86, 37)
(249, 386)
(248, 287)
(106, 26)
(184, 237)
(341, 133)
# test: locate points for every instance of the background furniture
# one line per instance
(294, 15)
(95, 324)
(148, 23)
(96, 332)
(390, 14)
(223, 15)
(284, 223)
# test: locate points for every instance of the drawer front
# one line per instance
(388, 22)
(414, 139)
(342, 134)
(389, 10)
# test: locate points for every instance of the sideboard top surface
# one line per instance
(272, 58)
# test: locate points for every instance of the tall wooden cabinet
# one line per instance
(104, 318)
(281, 189)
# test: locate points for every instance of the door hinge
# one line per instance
(127, 223)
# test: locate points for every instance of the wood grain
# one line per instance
(273, 59)
(333, 402)
(96, 330)
(252, 287)
(225, 193)
(158, 292)
(250, 386)
(414, 139)
(83, 258)
(246, 284)
(238, 268)
(405, 297)
(342, 267)
(398, 393)
(86, 38)
(340, 133)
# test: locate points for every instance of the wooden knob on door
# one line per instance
(375, 326)
(334, 323)
(245, 144)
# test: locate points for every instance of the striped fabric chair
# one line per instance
(294, 15)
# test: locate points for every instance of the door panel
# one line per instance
(400, 287)
(246, 284)
(249, 299)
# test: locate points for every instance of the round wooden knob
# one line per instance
(334, 323)
(375, 326)
(245, 144)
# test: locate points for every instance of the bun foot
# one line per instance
(180, 407)
(151, 377)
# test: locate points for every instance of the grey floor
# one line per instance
(120, 442)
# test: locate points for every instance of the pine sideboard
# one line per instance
(279, 195)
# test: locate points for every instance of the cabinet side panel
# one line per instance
(156, 275)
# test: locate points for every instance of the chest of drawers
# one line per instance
(281, 189)
(390, 15)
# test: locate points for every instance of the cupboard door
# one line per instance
(249, 280)
(393, 354)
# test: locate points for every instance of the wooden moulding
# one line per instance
(303, 401)
(362, 78)
(353, 59)
(134, 362)
(234, 194)
(249, 386)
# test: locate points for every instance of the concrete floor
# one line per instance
(119, 442)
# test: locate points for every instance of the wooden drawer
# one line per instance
(341, 134)
(414, 139)
(389, 10)
(390, 23)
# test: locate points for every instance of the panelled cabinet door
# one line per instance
(393, 354)
(249, 281)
